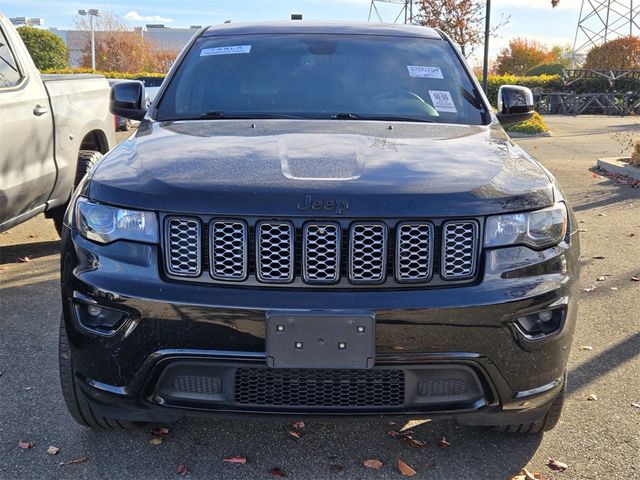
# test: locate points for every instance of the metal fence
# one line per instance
(561, 103)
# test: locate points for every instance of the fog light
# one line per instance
(99, 319)
(537, 325)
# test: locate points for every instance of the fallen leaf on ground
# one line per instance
(295, 434)
(594, 175)
(405, 469)
(413, 442)
(582, 230)
(298, 425)
(183, 469)
(76, 461)
(242, 460)
(635, 279)
(636, 404)
(526, 475)
(592, 397)
(377, 464)
(160, 432)
(602, 214)
(443, 443)
(155, 440)
(25, 445)
(413, 423)
(589, 289)
(277, 472)
(586, 347)
(598, 257)
(24, 259)
(53, 450)
(556, 465)
(393, 433)
(600, 279)
(615, 289)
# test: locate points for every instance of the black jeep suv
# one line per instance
(318, 219)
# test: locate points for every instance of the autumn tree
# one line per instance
(521, 55)
(160, 61)
(619, 54)
(462, 20)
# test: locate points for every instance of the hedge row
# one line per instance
(127, 76)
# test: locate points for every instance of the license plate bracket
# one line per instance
(320, 340)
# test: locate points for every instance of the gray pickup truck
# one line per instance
(53, 128)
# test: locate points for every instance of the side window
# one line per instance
(9, 73)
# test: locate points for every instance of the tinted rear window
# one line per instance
(320, 76)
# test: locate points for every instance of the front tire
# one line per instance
(546, 423)
(86, 160)
(79, 408)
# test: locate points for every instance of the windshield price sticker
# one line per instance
(442, 101)
(231, 50)
(418, 71)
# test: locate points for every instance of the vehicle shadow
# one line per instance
(11, 253)
(608, 193)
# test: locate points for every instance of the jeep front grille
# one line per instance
(321, 253)
(183, 245)
(275, 252)
(459, 247)
(228, 250)
(414, 258)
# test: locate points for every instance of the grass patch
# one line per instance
(532, 126)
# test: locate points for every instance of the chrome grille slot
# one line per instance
(368, 252)
(228, 250)
(274, 252)
(321, 252)
(183, 246)
(459, 244)
(414, 252)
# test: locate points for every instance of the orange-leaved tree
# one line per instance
(521, 55)
(620, 54)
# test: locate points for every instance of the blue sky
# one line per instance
(530, 18)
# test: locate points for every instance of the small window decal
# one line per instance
(442, 101)
(419, 71)
(230, 50)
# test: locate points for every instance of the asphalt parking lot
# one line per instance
(598, 439)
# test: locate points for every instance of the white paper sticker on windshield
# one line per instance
(231, 50)
(418, 71)
(442, 101)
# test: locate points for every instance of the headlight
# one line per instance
(106, 224)
(539, 229)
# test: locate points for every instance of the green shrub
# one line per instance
(546, 69)
(542, 83)
(46, 49)
(126, 76)
(532, 126)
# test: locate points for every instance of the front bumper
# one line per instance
(173, 332)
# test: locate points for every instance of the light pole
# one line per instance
(485, 61)
(92, 12)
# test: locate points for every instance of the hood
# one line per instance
(300, 167)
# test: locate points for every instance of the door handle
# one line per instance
(40, 110)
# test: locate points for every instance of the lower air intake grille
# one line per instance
(198, 384)
(319, 387)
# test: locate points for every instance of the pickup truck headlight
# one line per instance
(539, 229)
(105, 224)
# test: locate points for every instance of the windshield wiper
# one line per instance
(220, 115)
(345, 116)
(384, 118)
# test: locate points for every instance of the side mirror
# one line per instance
(515, 104)
(128, 100)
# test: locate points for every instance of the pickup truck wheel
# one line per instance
(77, 405)
(86, 160)
(545, 424)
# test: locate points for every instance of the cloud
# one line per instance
(134, 16)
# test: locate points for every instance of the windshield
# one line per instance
(322, 76)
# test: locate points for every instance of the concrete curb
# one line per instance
(528, 135)
(615, 165)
